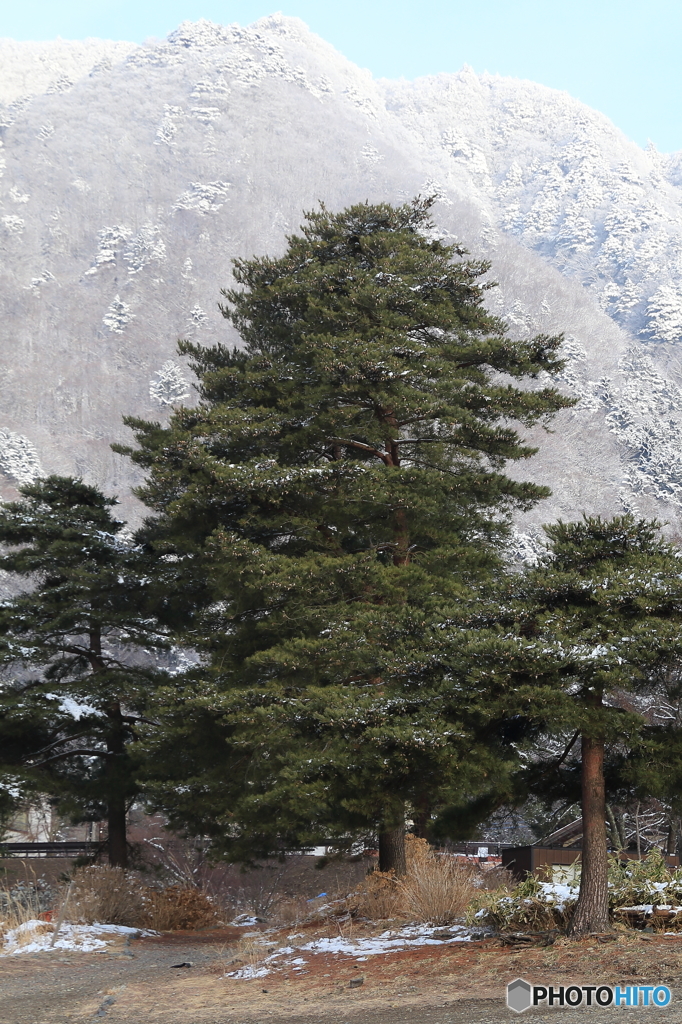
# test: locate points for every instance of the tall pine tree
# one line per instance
(330, 503)
(76, 647)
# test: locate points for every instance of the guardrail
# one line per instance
(71, 848)
(476, 848)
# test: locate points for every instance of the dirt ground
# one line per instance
(138, 982)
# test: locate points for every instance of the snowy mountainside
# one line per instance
(124, 195)
(28, 69)
(563, 180)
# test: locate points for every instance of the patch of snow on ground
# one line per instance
(414, 935)
(36, 936)
(247, 973)
(360, 949)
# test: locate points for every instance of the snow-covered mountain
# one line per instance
(131, 175)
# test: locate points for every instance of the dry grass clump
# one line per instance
(178, 908)
(496, 878)
(289, 912)
(436, 888)
(24, 933)
(14, 914)
(107, 895)
(379, 898)
(26, 900)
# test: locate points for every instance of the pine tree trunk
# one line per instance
(116, 805)
(592, 909)
(117, 842)
(392, 850)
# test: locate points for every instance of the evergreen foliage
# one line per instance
(583, 642)
(75, 651)
(328, 507)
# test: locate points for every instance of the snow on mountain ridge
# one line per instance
(28, 69)
(565, 181)
(116, 234)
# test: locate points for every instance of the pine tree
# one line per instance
(75, 650)
(330, 503)
(585, 634)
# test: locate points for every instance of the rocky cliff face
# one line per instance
(132, 175)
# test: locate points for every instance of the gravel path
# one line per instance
(138, 982)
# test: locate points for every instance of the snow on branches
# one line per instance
(170, 386)
(118, 316)
(203, 198)
(18, 457)
(664, 314)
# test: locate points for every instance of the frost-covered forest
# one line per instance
(132, 175)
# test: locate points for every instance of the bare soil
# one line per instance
(137, 982)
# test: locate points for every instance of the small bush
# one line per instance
(438, 889)
(633, 882)
(107, 895)
(646, 892)
(379, 898)
(178, 908)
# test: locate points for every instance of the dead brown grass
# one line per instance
(15, 914)
(108, 895)
(436, 888)
(379, 898)
(178, 908)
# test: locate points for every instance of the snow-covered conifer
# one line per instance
(118, 316)
(664, 314)
(170, 386)
(18, 457)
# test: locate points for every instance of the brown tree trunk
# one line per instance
(116, 806)
(592, 909)
(392, 850)
(116, 823)
(117, 839)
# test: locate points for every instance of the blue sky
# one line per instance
(622, 57)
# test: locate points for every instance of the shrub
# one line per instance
(646, 892)
(438, 889)
(107, 895)
(176, 907)
(379, 898)
(633, 882)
